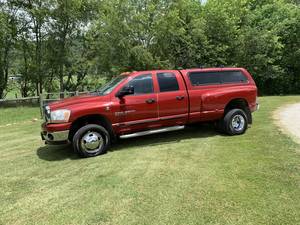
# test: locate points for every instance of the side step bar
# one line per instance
(149, 132)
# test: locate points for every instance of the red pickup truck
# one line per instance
(148, 102)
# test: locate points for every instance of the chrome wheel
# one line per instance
(238, 123)
(91, 142)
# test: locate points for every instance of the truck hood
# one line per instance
(67, 103)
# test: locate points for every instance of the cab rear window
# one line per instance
(214, 78)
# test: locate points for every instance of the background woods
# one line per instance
(58, 45)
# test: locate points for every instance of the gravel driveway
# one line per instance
(288, 118)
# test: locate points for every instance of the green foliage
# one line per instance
(265, 47)
(60, 45)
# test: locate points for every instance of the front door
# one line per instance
(139, 111)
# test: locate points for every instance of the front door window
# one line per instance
(142, 84)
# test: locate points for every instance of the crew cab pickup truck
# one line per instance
(148, 102)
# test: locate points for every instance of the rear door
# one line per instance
(172, 98)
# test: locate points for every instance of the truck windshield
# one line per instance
(110, 86)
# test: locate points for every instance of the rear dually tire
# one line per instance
(235, 122)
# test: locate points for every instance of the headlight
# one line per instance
(60, 116)
(47, 110)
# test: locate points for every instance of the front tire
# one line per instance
(235, 122)
(91, 140)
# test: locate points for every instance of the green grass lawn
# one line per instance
(194, 176)
(18, 115)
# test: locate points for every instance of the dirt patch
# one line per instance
(288, 119)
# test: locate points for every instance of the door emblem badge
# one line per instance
(123, 113)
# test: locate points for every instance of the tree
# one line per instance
(8, 32)
(289, 32)
(263, 45)
(67, 43)
(69, 19)
(35, 15)
(181, 39)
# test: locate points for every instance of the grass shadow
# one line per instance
(203, 130)
(59, 153)
(56, 153)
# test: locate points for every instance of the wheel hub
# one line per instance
(91, 142)
(238, 122)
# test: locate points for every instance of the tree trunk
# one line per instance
(1, 83)
(61, 80)
(4, 71)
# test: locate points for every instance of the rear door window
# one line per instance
(167, 82)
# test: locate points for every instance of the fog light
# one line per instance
(50, 137)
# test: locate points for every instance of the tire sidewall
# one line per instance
(228, 121)
(82, 131)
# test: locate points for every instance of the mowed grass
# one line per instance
(194, 176)
(20, 114)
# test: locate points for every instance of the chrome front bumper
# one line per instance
(55, 137)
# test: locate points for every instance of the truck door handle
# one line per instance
(180, 98)
(150, 101)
